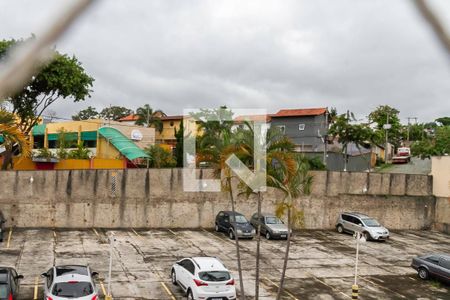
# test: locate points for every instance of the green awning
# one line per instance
(125, 146)
(89, 135)
(68, 136)
(1, 139)
(38, 129)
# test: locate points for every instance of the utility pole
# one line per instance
(409, 123)
(325, 139)
(148, 116)
(386, 126)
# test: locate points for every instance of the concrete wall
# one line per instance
(440, 169)
(155, 198)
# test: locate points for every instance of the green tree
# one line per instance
(293, 187)
(347, 133)
(149, 117)
(86, 114)
(416, 132)
(214, 147)
(445, 121)
(115, 113)
(280, 162)
(160, 157)
(435, 146)
(81, 152)
(385, 114)
(179, 135)
(62, 78)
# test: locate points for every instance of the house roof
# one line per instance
(254, 118)
(300, 112)
(166, 118)
(131, 117)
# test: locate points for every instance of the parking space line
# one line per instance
(331, 287)
(284, 290)
(382, 287)
(9, 237)
(96, 233)
(137, 234)
(172, 296)
(172, 232)
(36, 288)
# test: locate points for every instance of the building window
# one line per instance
(38, 141)
(90, 144)
(282, 128)
(301, 127)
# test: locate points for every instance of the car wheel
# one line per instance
(366, 236)
(340, 229)
(217, 228)
(174, 277)
(189, 295)
(423, 273)
(268, 235)
(231, 234)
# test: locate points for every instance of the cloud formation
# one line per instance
(265, 54)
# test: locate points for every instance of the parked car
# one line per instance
(70, 281)
(9, 283)
(2, 226)
(234, 225)
(271, 226)
(203, 278)
(357, 222)
(433, 265)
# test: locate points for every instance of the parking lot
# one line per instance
(321, 262)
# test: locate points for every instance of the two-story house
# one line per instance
(307, 128)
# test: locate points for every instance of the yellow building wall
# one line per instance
(100, 163)
(106, 150)
(73, 164)
(73, 126)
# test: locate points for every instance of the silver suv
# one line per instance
(369, 227)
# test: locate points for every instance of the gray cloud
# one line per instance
(267, 54)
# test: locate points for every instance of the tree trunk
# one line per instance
(286, 256)
(258, 246)
(238, 253)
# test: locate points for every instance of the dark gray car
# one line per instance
(433, 265)
(271, 226)
(234, 224)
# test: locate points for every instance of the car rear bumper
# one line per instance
(231, 294)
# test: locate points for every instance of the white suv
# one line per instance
(203, 278)
(74, 282)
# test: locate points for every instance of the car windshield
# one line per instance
(214, 276)
(273, 220)
(3, 291)
(239, 219)
(371, 223)
(72, 289)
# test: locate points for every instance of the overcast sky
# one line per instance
(352, 55)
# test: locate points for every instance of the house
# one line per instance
(112, 144)
(307, 128)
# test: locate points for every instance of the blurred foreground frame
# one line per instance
(28, 58)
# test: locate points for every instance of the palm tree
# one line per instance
(295, 186)
(149, 117)
(214, 147)
(279, 163)
(12, 137)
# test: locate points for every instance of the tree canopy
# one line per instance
(62, 78)
(382, 115)
(115, 113)
(149, 117)
(86, 114)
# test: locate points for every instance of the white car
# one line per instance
(69, 282)
(203, 278)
